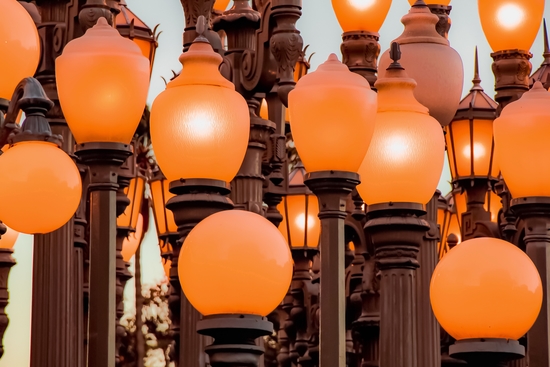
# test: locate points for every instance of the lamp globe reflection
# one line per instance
(361, 15)
(102, 80)
(235, 262)
(19, 46)
(510, 24)
(200, 119)
(405, 159)
(474, 298)
(523, 127)
(38, 196)
(332, 112)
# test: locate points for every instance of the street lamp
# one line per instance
(202, 120)
(235, 268)
(97, 72)
(332, 115)
(401, 171)
(486, 305)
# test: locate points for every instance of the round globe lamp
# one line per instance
(235, 262)
(102, 80)
(9, 238)
(300, 226)
(200, 119)
(361, 15)
(474, 298)
(19, 45)
(510, 24)
(406, 154)
(41, 188)
(440, 89)
(332, 113)
(523, 127)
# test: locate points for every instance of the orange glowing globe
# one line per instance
(19, 46)
(361, 15)
(235, 262)
(40, 189)
(486, 288)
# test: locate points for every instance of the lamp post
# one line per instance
(530, 201)
(103, 147)
(486, 305)
(332, 162)
(399, 151)
(210, 105)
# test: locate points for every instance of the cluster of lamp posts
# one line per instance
(200, 130)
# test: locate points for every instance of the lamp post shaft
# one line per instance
(429, 350)
(104, 161)
(397, 233)
(6, 263)
(535, 212)
(332, 189)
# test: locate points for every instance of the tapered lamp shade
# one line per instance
(9, 238)
(406, 154)
(361, 15)
(300, 226)
(19, 46)
(235, 262)
(221, 5)
(131, 243)
(200, 119)
(523, 127)
(332, 112)
(433, 2)
(431, 62)
(102, 80)
(41, 188)
(486, 288)
(510, 24)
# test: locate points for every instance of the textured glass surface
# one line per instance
(235, 262)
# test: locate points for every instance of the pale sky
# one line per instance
(321, 31)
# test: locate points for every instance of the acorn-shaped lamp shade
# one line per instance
(19, 46)
(361, 15)
(9, 238)
(476, 298)
(332, 112)
(523, 127)
(40, 189)
(235, 262)
(200, 119)
(510, 24)
(407, 152)
(102, 80)
(440, 89)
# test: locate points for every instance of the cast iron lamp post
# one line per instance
(486, 305)
(202, 119)
(242, 285)
(531, 196)
(401, 170)
(95, 73)
(332, 157)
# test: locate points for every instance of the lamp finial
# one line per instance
(201, 30)
(395, 55)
